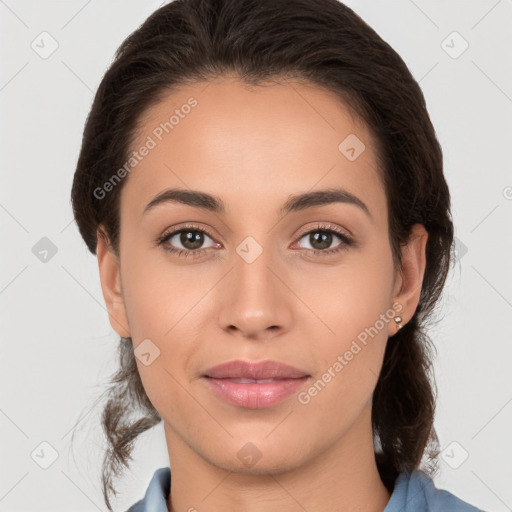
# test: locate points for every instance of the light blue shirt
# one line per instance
(413, 492)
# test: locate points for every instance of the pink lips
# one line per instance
(254, 385)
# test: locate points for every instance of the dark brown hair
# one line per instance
(326, 44)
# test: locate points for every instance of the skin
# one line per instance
(254, 147)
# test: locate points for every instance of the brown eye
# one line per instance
(185, 241)
(322, 239)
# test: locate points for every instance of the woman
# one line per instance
(264, 191)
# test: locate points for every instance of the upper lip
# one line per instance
(254, 370)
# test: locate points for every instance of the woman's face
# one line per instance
(253, 287)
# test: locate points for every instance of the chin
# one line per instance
(259, 456)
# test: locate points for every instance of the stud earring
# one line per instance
(398, 320)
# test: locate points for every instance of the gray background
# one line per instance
(57, 346)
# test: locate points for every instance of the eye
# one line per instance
(322, 238)
(191, 239)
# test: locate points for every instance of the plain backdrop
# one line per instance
(57, 346)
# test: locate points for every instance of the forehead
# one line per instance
(245, 143)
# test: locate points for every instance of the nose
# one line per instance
(254, 300)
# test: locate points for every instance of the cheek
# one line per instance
(158, 294)
(163, 304)
(356, 306)
(351, 297)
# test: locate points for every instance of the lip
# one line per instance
(286, 380)
(267, 369)
(254, 395)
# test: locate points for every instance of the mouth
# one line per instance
(254, 393)
(254, 385)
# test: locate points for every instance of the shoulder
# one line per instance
(415, 492)
(157, 493)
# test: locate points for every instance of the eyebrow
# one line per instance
(294, 203)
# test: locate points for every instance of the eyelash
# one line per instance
(346, 241)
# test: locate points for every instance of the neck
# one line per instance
(343, 473)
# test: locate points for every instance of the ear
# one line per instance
(110, 277)
(409, 281)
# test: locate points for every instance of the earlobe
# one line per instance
(110, 278)
(410, 280)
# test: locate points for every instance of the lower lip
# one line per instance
(254, 395)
